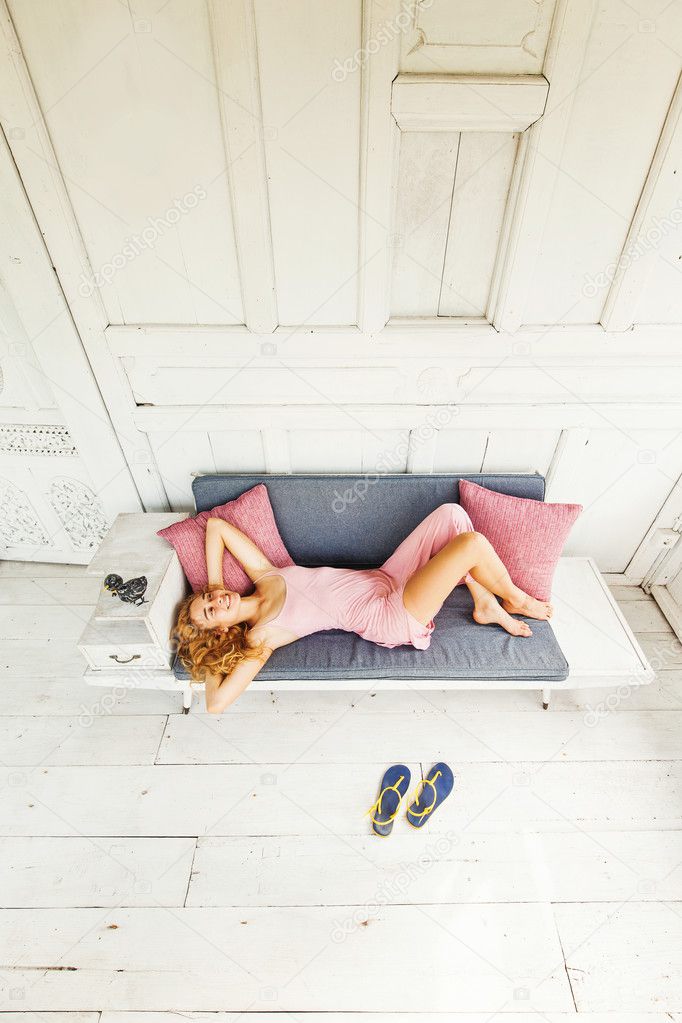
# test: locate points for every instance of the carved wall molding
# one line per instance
(19, 522)
(39, 440)
(80, 512)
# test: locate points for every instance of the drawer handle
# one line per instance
(133, 657)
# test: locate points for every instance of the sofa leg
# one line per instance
(186, 699)
(546, 693)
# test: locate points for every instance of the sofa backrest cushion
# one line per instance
(353, 520)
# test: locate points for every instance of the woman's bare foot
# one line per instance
(491, 613)
(530, 607)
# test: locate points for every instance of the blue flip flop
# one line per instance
(394, 786)
(440, 781)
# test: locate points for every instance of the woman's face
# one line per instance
(215, 608)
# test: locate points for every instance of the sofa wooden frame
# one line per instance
(595, 637)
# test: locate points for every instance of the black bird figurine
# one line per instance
(130, 592)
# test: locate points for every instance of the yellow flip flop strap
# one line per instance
(426, 781)
(375, 806)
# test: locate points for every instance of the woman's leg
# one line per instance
(470, 552)
(430, 536)
(487, 611)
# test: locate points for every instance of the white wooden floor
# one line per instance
(154, 865)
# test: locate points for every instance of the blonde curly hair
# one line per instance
(210, 651)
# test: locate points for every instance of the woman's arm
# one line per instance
(223, 690)
(221, 535)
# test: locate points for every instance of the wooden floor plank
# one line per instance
(625, 957)
(274, 799)
(624, 594)
(47, 658)
(372, 1017)
(44, 623)
(479, 958)
(39, 570)
(57, 1017)
(663, 650)
(645, 616)
(73, 697)
(349, 738)
(91, 738)
(314, 870)
(73, 590)
(71, 872)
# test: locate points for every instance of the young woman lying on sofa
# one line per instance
(224, 639)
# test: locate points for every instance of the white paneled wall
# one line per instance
(346, 236)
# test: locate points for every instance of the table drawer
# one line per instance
(117, 655)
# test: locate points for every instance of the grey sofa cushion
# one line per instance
(358, 521)
(353, 520)
(460, 649)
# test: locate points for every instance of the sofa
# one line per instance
(357, 521)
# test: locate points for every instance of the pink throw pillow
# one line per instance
(252, 513)
(528, 535)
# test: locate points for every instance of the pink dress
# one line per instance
(368, 602)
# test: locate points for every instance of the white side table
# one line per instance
(127, 644)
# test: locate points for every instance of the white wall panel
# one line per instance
(468, 36)
(385, 450)
(424, 195)
(661, 301)
(311, 131)
(631, 67)
(484, 169)
(520, 450)
(132, 111)
(325, 451)
(495, 451)
(179, 454)
(625, 476)
(460, 450)
(452, 193)
(238, 450)
(279, 380)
